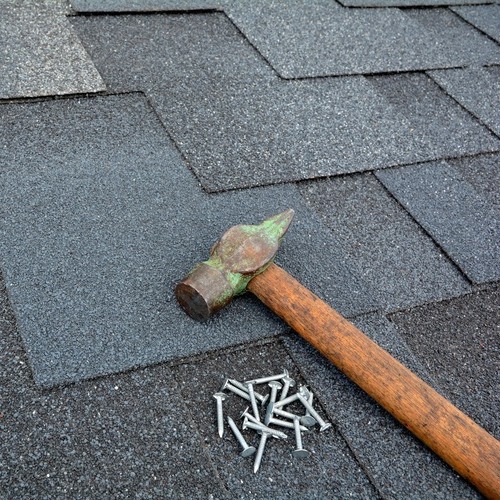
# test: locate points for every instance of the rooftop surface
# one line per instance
(133, 133)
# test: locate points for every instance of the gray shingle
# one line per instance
(448, 129)
(320, 38)
(237, 135)
(154, 51)
(331, 471)
(125, 435)
(398, 463)
(483, 174)
(102, 218)
(41, 55)
(230, 116)
(477, 89)
(392, 252)
(458, 342)
(144, 5)
(484, 17)
(407, 3)
(464, 223)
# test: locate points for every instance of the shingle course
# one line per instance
(103, 218)
(463, 223)
(320, 38)
(41, 56)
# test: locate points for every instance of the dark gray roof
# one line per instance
(132, 134)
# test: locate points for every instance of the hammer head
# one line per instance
(243, 252)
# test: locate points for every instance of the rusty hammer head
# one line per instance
(241, 253)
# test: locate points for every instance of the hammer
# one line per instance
(243, 260)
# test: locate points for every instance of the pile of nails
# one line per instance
(275, 413)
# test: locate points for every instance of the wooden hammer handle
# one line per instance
(456, 438)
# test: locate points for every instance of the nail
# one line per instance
(220, 396)
(263, 380)
(287, 383)
(260, 451)
(275, 386)
(260, 397)
(235, 390)
(286, 401)
(247, 424)
(323, 425)
(284, 423)
(247, 450)
(253, 401)
(248, 418)
(283, 413)
(299, 452)
(308, 420)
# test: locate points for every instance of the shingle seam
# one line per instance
(367, 74)
(61, 97)
(262, 56)
(477, 118)
(444, 5)
(425, 232)
(202, 356)
(326, 176)
(319, 397)
(191, 12)
(174, 143)
(475, 289)
(473, 25)
(204, 446)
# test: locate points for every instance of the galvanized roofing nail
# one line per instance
(286, 401)
(235, 390)
(285, 423)
(308, 420)
(247, 424)
(299, 452)
(323, 425)
(253, 401)
(247, 450)
(260, 397)
(220, 396)
(283, 413)
(260, 451)
(274, 385)
(263, 380)
(287, 383)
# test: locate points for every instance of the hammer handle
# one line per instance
(456, 438)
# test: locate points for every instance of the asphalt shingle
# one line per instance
(41, 55)
(155, 51)
(484, 17)
(307, 129)
(483, 174)
(320, 38)
(447, 129)
(477, 89)
(116, 437)
(399, 465)
(231, 116)
(463, 223)
(407, 3)
(102, 218)
(254, 134)
(144, 5)
(330, 471)
(392, 252)
(458, 342)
